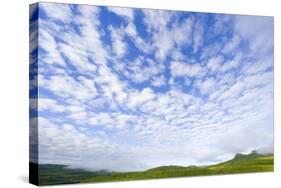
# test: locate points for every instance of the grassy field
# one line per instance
(58, 174)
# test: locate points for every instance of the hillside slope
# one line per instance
(60, 174)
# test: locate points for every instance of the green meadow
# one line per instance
(60, 174)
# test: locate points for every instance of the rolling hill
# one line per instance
(60, 174)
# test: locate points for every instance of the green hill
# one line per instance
(50, 174)
(253, 162)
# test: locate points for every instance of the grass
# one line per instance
(59, 174)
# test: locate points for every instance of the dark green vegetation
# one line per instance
(59, 174)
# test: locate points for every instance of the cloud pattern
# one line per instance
(126, 89)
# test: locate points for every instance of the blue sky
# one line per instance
(127, 89)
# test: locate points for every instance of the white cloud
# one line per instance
(71, 146)
(214, 63)
(232, 44)
(101, 119)
(207, 85)
(65, 87)
(118, 44)
(88, 12)
(222, 23)
(158, 81)
(48, 43)
(242, 139)
(123, 12)
(77, 57)
(162, 17)
(50, 104)
(257, 80)
(78, 116)
(119, 47)
(63, 11)
(131, 29)
(257, 66)
(143, 69)
(186, 69)
(165, 39)
(234, 63)
(138, 98)
(110, 85)
(163, 43)
(181, 33)
(233, 91)
(138, 41)
(211, 50)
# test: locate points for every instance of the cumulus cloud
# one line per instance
(165, 39)
(214, 63)
(124, 12)
(132, 95)
(207, 85)
(232, 44)
(63, 12)
(158, 81)
(143, 70)
(118, 44)
(50, 104)
(186, 69)
(233, 63)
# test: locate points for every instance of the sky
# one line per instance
(125, 89)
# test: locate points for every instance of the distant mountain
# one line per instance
(252, 155)
(245, 158)
(241, 163)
